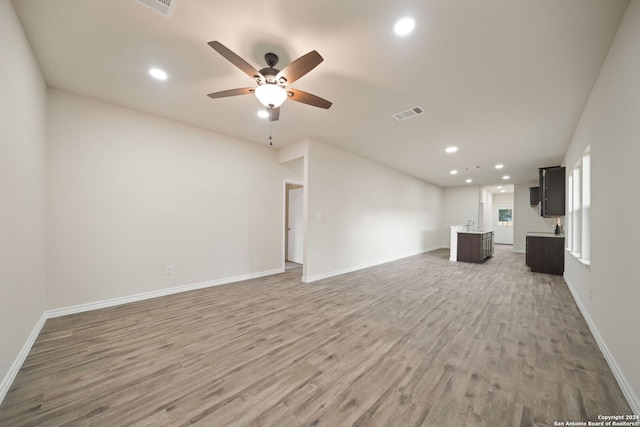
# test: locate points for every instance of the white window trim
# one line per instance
(578, 220)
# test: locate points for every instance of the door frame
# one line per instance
(285, 207)
(496, 219)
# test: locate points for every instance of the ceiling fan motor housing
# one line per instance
(269, 74)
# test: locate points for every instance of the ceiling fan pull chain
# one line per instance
(270, 127)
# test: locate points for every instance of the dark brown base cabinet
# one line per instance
(545, 254)
(474, 247)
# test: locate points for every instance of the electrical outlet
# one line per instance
(169, 270)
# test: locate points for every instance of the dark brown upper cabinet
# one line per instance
(534, 196)
(552, 191)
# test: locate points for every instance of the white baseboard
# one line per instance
(309, 279)
(627, 390)
(155, 294)
(24, 352)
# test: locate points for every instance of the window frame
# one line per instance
(578, 220)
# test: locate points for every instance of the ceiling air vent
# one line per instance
(163, 7)
(407, 114)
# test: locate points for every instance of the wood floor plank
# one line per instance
(420, 341)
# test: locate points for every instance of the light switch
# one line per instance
(318, 216)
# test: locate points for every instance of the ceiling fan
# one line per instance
(272, 88)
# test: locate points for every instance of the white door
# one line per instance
(503, 225)
(294, 233)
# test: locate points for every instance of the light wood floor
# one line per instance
(419, 341)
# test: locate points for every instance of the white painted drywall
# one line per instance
(22, 199)
(131, 193)
(503, 199)
(610, 123)
(526, 218)
(486, 197)
(459, 205)
(296, 167)
(361, 213)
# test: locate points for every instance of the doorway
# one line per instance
(503, 225)
(294, 226)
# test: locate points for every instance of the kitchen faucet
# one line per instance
(470, 223)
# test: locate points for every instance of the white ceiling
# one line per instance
(503, 80)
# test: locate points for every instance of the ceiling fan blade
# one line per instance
(232, 92)
(307, 98)
(274, 114)
(247, 68)
(300, 67)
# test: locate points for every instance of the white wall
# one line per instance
(610, 123)
(360, 213)
(296, 167)
(487, 209)
(22, 214)
(459, 205)
(131, 193)
(503, 199)
(526, 218)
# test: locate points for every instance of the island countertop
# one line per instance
(544, 234)
(474, 231)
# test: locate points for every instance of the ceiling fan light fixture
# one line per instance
(271, 95)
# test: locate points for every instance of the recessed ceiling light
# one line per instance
(404, 26)
(453, 172)
(468, 181)
(158, 74)
(506, 177)
(499, 166)
(503, 191)
(451, 149)
(263, 114)
(499, 187)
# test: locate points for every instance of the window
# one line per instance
(586, 206)
(505, 217)
(578, 232)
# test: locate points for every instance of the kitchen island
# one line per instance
(470, 245)
(545, 252)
